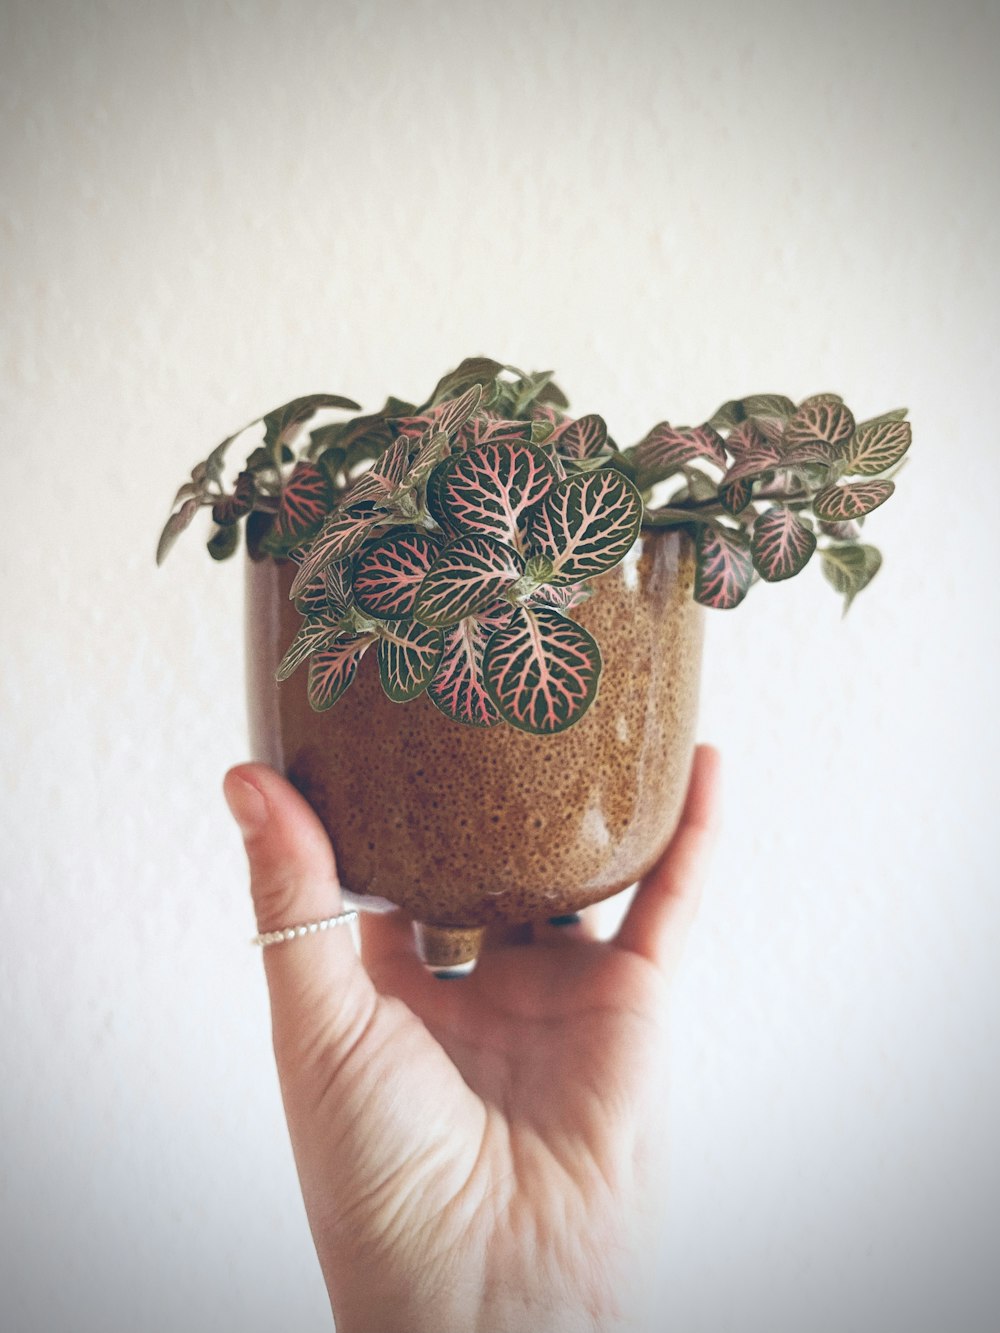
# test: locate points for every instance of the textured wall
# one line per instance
(208, 208)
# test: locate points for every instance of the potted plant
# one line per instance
(474, 624)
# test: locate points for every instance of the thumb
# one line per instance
(660, 916)
(320, 993)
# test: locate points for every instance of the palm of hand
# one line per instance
(512, 1110)
(483, 1153)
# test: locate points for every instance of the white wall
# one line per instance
(210, 208)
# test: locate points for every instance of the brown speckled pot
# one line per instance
(464, 826)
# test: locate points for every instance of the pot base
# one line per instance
(448, 950)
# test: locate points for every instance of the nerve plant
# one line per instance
(454, 538)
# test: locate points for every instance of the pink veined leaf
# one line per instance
(456, 412)
(230, 508)
(328, 591)
(467, 576)
(370, 487)
(811, 451)
(724, 568)
(822, 419)
(304, 503)
(746, 438)
(388, 574)
(408, 655)
(735, 497)
(457, 687)
(434, 497)
(490, 488)
(496, 616)
(563, 598)
(447, 417)
(333, 669)
(340, 535)
(781, 544)
(485, 428)
(586, 524)
(854, 499)
(432, 448)
(413, 428)
(772, 429)
(711, 441)
(339, 581)
(391, 465)
(542, 671)
(753, 464)
(315, 632)
(556, 460)
(546, 412)
(586, 437)
(876, 446)
(666, 449)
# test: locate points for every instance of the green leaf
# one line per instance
(224, 541)
(174, 526)
(736, 410)
(397, 407)
(551, 393)
(849, 531)
(281, 424)
(896, 414)
(473, 370)
(781, 544)
(849, 569)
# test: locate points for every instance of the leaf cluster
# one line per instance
(453, 537)
(765, 483)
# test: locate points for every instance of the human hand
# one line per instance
(484, 1155)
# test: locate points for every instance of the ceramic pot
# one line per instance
(463, 826)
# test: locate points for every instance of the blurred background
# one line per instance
(209, 208)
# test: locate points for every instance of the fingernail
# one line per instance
(246, 804)
(569, 919)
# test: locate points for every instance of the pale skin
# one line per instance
(483, 1155)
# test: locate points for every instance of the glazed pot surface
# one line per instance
(464, 825)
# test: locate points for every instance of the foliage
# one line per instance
(457, 535)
